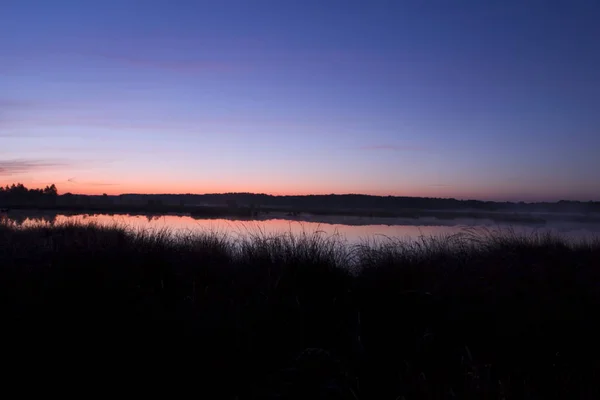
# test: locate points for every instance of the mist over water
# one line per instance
(354, 230)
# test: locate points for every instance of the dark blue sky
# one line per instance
(468, 99)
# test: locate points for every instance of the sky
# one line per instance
(491, 100)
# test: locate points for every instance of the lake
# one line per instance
(354, 229)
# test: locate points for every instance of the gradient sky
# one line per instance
(470, 99)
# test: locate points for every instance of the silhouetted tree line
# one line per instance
(19, 194)
(362, 202)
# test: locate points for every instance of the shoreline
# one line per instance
(354, 217)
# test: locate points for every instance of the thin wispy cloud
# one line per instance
(157, 124)
(8, 134)
(8, 106)
(393, 147)
(77, 182)
(22, 127)
(186, 66)
(9, 103)
(20, 104)
(21, 166)
(16, 113)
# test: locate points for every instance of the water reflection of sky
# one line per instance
(353, 233)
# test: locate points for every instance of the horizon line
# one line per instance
(335, 194)
(500, 199)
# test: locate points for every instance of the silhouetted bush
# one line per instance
(475, 315)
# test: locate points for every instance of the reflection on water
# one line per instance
(353, 233)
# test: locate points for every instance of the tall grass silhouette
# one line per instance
(479, 314)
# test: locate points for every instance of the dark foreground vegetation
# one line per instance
(472, 316)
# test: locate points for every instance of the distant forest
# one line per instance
(19, 195)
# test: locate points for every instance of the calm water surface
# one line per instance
(354, 230)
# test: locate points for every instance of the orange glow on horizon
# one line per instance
(461, 193)
(186, 188)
